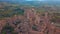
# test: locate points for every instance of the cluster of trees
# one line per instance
(55, 17)
(10, 13)
(8, 29)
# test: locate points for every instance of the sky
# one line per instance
(42, 0)
(34, 0)
(29, 0)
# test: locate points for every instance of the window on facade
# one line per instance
(43, 14)
(41, 22)
(17, 22)
(34, 27)
(33, 18)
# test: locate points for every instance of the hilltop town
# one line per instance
(18, 19)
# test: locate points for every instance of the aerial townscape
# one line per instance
(29, 17)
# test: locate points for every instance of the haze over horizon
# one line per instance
(33, 2)
(29, 0)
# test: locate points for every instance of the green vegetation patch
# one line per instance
(7, 29)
